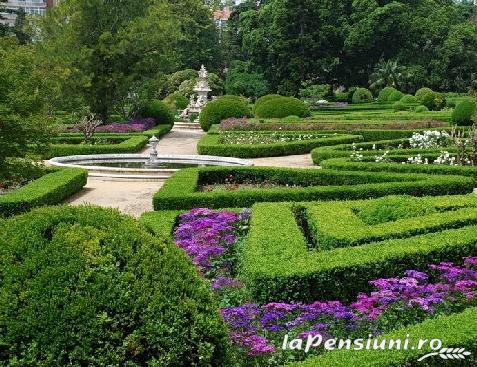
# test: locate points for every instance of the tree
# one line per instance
(19, 28)
(386, 74)
(199, 39)
(24, 124)
(243, 80)
(292, 41)
(103, 49)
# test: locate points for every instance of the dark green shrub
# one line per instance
(159, 111)
(341, 96)
(408, 99)
(462, 114)
(450, 103)
(264, 99)
(49, 189)
(222, 108)
(282, 107)
(88, 287)
(362, 95)
(421, 108)
(434, 101)
(399, 106)
(350, 92)
(176, 101)
(385, 93)
(395, 96)
(421, 93)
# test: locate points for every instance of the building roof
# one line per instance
(223, 14)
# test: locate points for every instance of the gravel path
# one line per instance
(135, 197)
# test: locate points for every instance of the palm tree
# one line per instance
(386, 74)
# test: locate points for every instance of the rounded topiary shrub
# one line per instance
(160, 112)
(362, 95)
(176, 101)
(434, 101)
(222, 108)
(463, 112)
(395, 96)
(421, 108)
(341, 96)
(86, 286)
(399, 106)
(408, 99)
(282, 107)
(385, 93)
(421, 93)
(264, 99)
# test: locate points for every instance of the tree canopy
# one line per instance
(431, 42)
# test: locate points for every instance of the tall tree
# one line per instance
(295, 40)
(199, 39)
(23, 122)
(102, 49)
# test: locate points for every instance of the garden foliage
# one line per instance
(88, 286)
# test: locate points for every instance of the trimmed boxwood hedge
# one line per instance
(180, 191)
(338, 224)
(366, 148)
(86, 286)
(209, 145)
(464, 111)
(457, 330)
(132, 144)
(277, 263)
(433, 169)
(49, 189)
(385, 93)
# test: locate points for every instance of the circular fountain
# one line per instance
(141, 167)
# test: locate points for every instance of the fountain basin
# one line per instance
(134, 167)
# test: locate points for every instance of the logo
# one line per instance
(448, 353)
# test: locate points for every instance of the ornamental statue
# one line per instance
(202, 90)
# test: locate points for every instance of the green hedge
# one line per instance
(131, 145)
(180, 191)
(338, 224)
(366, 148)
(278, 264)
(49, 189)
(434, 169)
(161, 224)
(86, 286)
(209, 145)
(457, 330)
(158, 131)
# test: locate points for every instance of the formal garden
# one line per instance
(329, 206)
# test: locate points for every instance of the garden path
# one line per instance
(135, 197)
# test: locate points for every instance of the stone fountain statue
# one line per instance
(202, 89)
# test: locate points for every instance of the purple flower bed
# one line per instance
(133, 126)
(210, 239)
(213, 239)
(260, 330)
